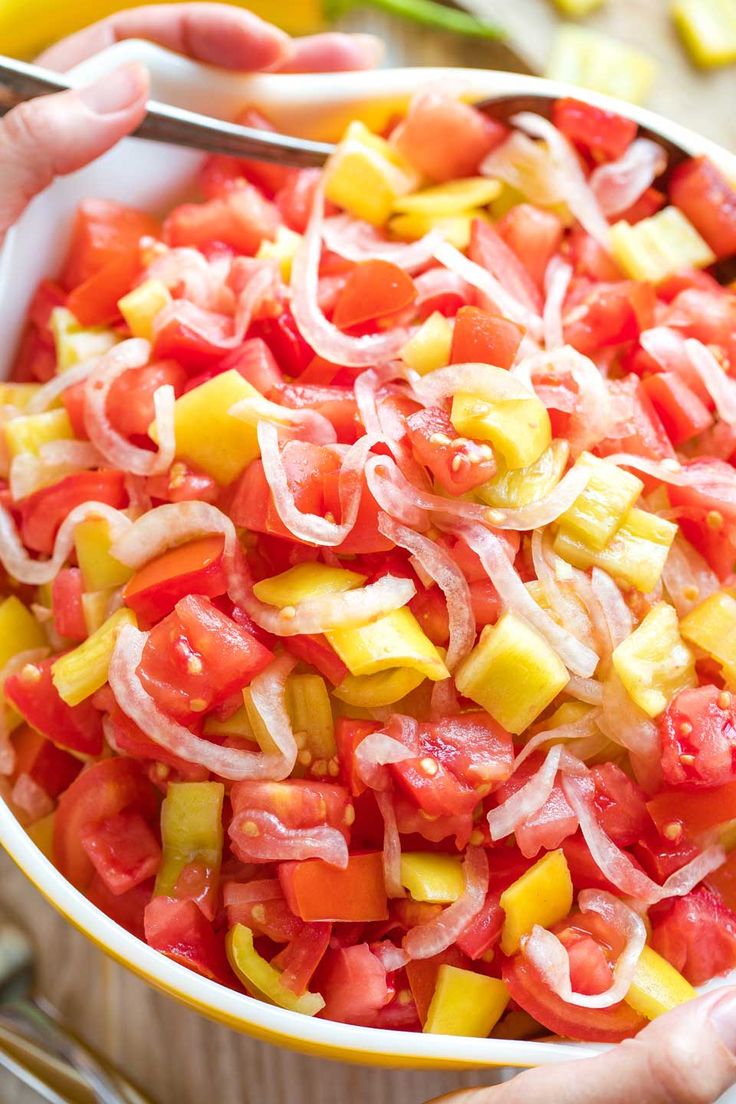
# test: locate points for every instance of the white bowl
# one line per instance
(152, 176)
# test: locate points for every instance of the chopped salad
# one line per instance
(368, 639)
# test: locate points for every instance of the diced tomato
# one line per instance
(315, 890)
(485, 602)
(299, 960)
(306, 467)
(50, 767)
(551, 824)
(484, 931)
(444, 138)
(709, 522)
(680, 410)
(95, 302)
(373, 289)
(181, 484)
(195, 347)
(130, 740)
(75, 727)
(590, 259)
(100, 792)
(430, 609)
(723, 880)
(316, 651)
(130, 402)
(35, 361)
(422, 974)
(241, 218)
(103, 230)
(696, 933)
(193, 568)
(645, 434)
(604, 134)
(702, 192)
(610, 315)
(66, 604)
(294, 200)
(708, 315)
(620, 804)
(659, 856)
(297, 803)
(218, 174)
(685, 280)
(349, 734)
(534, 235)
(482, 337)
(337, 404)
(197, 657)
(261, 905)
(457, 463)
(584, 870)
(126, 909)
(353, 984)
(365, 536)
(649, 202)
(181, 931)
(123, 850)
(43, 511)
(47, 296)
(590, 970)
(283, 338)
(489, 250)
(698, 731)
(256, 363)
(411, 820)
(695, 812)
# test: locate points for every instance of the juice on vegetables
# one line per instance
(368, 610)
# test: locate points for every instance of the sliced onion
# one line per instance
(585, 690)
(665, 345)
(401, 500)
(252, 893)
(687, 577)
(556, 577)
(526, 166)
(169, 525)
(308, 425)
(544, 510)
(592, 412)
(268, 694)
(618, 868)
(47, 395)
(484, 380)
(257, 836)
(619, 618)
(356, 240)
(718, 384)
(680, 475)
(439, 281)
(580, 659)
(56, 459)
(391, 847)
(628, 725)
(577, 192)
(31, 798)
(582, 729)
(15, 663)
(442, 931)
(617, 185)
(529, 799)
(490, 286)
(391, 958)
(188, 272)
(443, 570)
(378, 749)
(552, 961)
(347, 609)
(556, 282)
(116, 449)
(325, 338)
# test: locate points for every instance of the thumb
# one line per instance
(685, 1057)
(54, 135)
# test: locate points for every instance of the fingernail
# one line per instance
(371, 46)
(115, 91)
(723, 1019)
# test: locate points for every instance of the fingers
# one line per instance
(217, 34)
(55, 135)
(332, 52)
(685, 1057)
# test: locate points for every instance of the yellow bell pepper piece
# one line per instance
(712, 627)
(42, 834)
(452, 198)
(141, 305)
(95, 606)
(206, 433)
(433, 877)
(708, 29)
(653, 663)
(374, 691)
(597, 61)
(657, 246)
(30, 431)
(310, 710)
(238, 724)
(256, 729)
(100, 570)
(598, 511)
(657, 986)
(395, 640)
(18, 394)
(635, 555)
(19, 630)
(510, 489)
(73, 343)
(282, 249)
(518, 429)
(191, 835)
(305, 580)
(366, 175)
(465, 1003)
(429, 348)
(542, 895)
(81, 672)
(512, 672)
(261, 979)
(575, 9)
(455, 229)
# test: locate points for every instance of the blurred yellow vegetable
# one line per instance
(542, 895)
(712, 627)
(708, 29)
(465, 1003)
(73, 342)
(449, 199)
(141, 305)
(395, 640)
(305, 580)
(656, 247)
(657, 986)
(598, 511)
(365, 175)
(593, 60)
(654, 663)
(100, 570)
(429, 348)
(80, 673)
(634, 556)
(432, 877)
(519, 429)
(19, 630)
(30, 431)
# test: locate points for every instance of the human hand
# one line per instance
(54, 135)
(685, 1057)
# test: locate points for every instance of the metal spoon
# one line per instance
(34, 1021)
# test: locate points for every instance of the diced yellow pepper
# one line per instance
(712, 627)
(237, 724)
(519, 429)
(365, 175)
(465, 1003)
(542, 895)
(512, 672)
(73, 343)
(452, 198)
(18, 394)
(263, 980)
(635, 555)
(430, 876)
(575, 9)
(429, 348)
(191, 835)
(206, 433)
(42, 834)
(282, 249)
(374, 691)
(657, 986)
(95, 606)
(30, 431)
(658, 246)
(653, 663)
(141, 305)
(100, 570)
(19, 630)
(521, 486)
(303, 581)
(81, 672)
(597, 61)
(395, 640)
(308, 703)
(708, 29)
(598, 511)
(455, 229)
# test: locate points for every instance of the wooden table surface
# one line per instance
(175, 1054)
